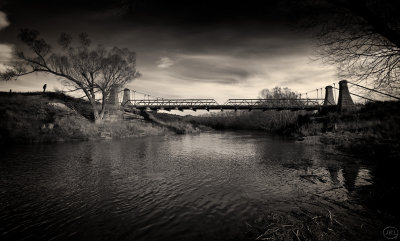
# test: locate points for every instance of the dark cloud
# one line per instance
(185, 48)
(198, 26)
(176, 11)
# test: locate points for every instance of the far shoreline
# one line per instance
(36, 117)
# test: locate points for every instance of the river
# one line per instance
(209, 186)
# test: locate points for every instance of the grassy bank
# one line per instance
(372, 130)
(48, 117)
(281, 122)
(374, 127)
(174, 123)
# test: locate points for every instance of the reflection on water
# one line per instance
(191, 187)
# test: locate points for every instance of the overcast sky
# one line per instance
(211, 49)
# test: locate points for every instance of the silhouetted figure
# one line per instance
(10, 91)
(44, 88)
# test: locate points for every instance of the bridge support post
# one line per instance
(112, 113)
(329, 104)
(329, 100)
(113, 97)
(345, 102)
(126, 97)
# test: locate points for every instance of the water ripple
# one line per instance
(202, 187)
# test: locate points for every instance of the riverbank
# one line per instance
(314, 224)
(47, 117)
(371, 131)
(371, 136)
(51, 117)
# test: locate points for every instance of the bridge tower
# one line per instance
(113, 97)
(126, 97)
(329, 100)
(344, 102)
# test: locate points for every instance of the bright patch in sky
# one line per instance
(222, 76)
(165, 62)
(5, 55)
(3, 20)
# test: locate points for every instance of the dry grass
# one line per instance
(270, 121)
(130, 129)
(48, 117)
(174, 124)
(294, 226)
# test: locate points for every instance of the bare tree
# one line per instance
(273, 119)
(278, 93)
(81, 66)
(362, 37)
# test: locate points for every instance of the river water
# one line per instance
(208, 186)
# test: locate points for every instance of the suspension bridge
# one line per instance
(301, 102)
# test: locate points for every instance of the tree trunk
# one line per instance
(97, 118)
(92, 99)
(103, 106)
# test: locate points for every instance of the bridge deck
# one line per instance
(231, 104)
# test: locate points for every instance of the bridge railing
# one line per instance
(274, 103)
(230, 104)
(175, 102)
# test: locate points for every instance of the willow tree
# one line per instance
(91, 69)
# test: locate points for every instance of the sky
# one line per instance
(185, 49)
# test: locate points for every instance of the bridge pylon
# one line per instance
(113, 97)
(126, 97)
(329, 99)
(345, 102)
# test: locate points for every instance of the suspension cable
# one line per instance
(148, 96)
(398, 98)
(334, 92)
(310, 91)
(358, 96)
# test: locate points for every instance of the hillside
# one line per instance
(47, 117)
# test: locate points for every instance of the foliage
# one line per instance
(270, 120)
(278, 93)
